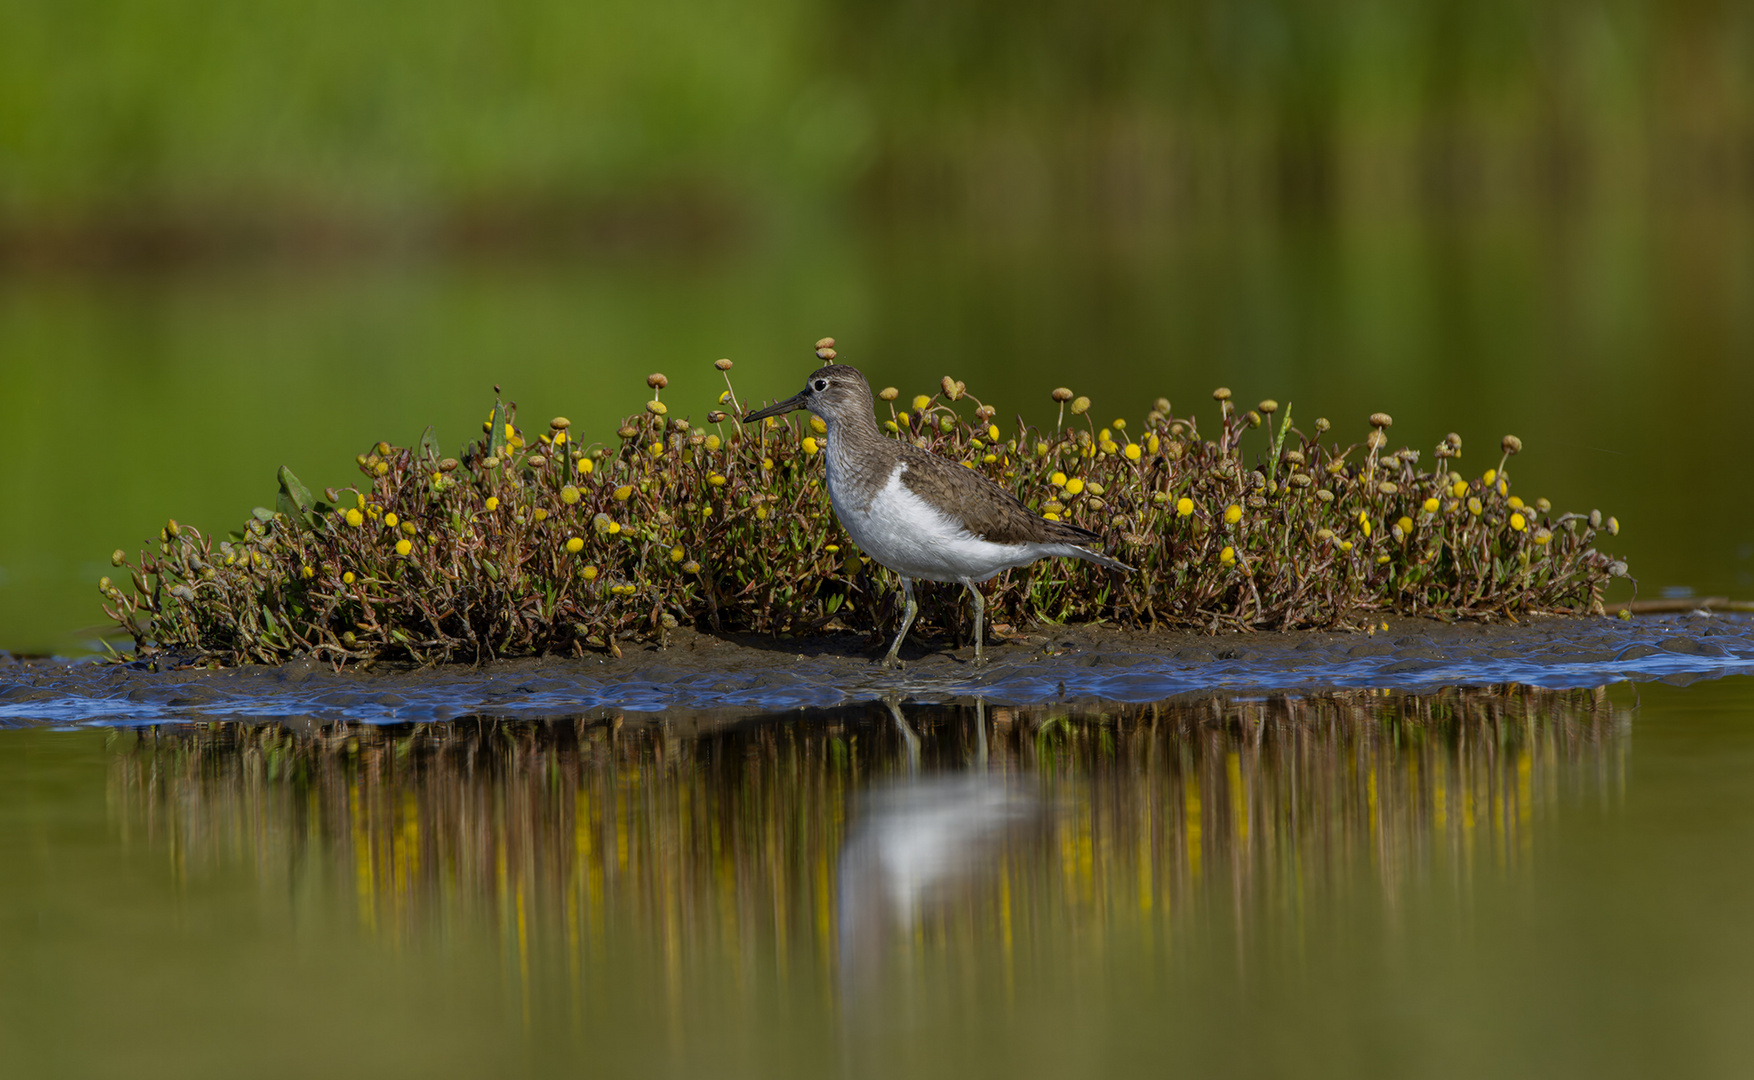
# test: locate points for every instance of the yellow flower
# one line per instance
(990, 458)
(921, 402)
(889, 425)
(713, 442)
(1364, 522)
(361, 497)
(1051, 516)
(1380, 559)
(492, 503)
(968, 464)
(574, 545)
(1041, 449)
(724, 396)
(706, 511)
(510, 432)
(569, 494)
(1227, 556)
(1120, 425)
(1491, 474)
(585, 466)
(1504, 487)
(716, 480)
(656, 449)
(761, 513)
(1152, 442)
(1475, 506)
(831, 548)
(390, 520)
(1406, 524)
(307, 571)
(539, 514)
(1058, 479)
(1345, 545)
(902, 416)
(657, 408)
(622, 492)
(589, 573)
(614, 527)
(1430, 506)
(382, 468)
(403, 547)
(355, 518)
(691, 567)
(677, 554)
(1459, 488)
(560, 438)
(1184, 506)
(1542, 536)
(1074, 485)
(1232, 514)
(1515, 503)
(767, 463)
(993, 432)
(347, 578)
(1518, 522)
(1133, 452)
(818, 426)
(809, 445)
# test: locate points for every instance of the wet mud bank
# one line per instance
(714, 679)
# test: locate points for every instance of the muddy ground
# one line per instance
(708, 678)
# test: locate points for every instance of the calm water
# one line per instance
(1477, 883)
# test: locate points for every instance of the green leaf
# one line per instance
(295, 501)
(496, 437)
(262, 513)
(429, 447)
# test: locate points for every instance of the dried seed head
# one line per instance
(656, 407)
(1322, 425)
(447, 465)
(722, 364)
(984, 413)
(118, 557)
(1454, 441)
(1221, 394)
(172, 528)
(383, 449)
(825, 343)
(1062, 395)
(560, 423)
(536, 461)
(715, 417)
(1295, 457)
(490, 463)
(1268, 407)
(1301, 480)
(1080, 405)
(1388, 487)
(679, 425)
(1543, 505)
(627, 431)
(1613, 526)
(1161, 405)
(1376, 439)
(1595, 519)
(1380, 420)
(889, 393)
(1511, 444)
(657, 381)
(1254, 418)
(1325, 495)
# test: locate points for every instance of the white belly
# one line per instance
(908, 535)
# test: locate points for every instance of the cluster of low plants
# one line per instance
(536, 540)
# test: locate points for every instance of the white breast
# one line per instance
(910, 536)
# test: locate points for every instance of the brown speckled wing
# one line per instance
(991, 512)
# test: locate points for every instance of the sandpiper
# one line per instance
(920, 515)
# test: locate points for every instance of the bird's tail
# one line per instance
(1075, 551)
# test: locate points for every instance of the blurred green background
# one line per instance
(237, 235)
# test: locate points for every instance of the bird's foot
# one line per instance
(892, 662)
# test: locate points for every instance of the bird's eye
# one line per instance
(821, 385)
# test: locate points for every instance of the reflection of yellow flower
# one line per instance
(1232, 514)
(1430, 506)
(574, 545)
(1074, 485)
(1227, 556)
(1184, 506)
(1518, 523)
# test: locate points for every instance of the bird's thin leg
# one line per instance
(909, 609)
(980, 618)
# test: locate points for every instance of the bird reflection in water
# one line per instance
(918, 845)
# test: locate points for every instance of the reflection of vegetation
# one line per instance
(725, 850)
(551, 544)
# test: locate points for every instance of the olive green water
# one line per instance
(1511, 884)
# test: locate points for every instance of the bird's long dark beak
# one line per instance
(796, 401)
